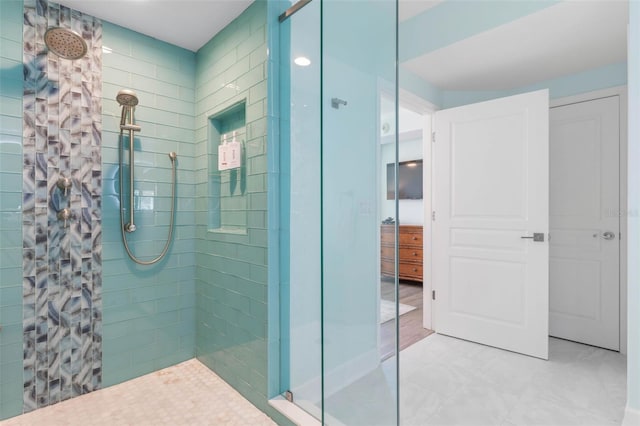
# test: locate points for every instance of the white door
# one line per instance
(585, 225)
(491, 188)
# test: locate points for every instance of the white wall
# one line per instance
(633, 231)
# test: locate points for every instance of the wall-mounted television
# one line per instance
(409, 180)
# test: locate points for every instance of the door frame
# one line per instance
(621, 92)
(427, 110)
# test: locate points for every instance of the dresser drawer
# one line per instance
(411, 235)
(411, 254)
(406, 254)
(411, 238)
(410, 270)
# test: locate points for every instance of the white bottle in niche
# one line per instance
(235, 153)
(223, 154)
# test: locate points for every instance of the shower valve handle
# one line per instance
(65, 215)
(64, 183)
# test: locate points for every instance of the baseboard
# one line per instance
(631, 417)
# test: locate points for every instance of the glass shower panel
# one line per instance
(359, 304)
(300, 176)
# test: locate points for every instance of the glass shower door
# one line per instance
(358, 89)
(338, 74)
(300, 283)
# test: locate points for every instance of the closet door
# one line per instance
(585, 249)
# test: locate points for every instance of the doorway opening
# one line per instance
(414, 198)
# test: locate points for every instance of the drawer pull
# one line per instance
(415, 254)
(415, 269)
(414, 238)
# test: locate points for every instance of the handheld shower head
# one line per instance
(128, 100)
(126, 97)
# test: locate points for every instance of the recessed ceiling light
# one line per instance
(302, 61)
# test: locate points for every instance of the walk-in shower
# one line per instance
(128, 101)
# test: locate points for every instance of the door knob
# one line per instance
(608, 235)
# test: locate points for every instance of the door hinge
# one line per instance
(433, 137)
(433, 215)
(433, 295)
(288, 396)
(620, 233)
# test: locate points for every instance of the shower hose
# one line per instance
(172, 157)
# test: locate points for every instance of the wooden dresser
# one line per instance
(410, 251)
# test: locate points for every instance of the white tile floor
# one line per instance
(185, 394)
(444, 381)
(447, 381)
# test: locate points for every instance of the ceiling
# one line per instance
(185, 23)
(166, 19)
(559, 40)
(563, 39)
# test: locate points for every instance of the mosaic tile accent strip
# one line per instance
(62, 263)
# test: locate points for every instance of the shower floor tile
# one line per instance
(185, 394)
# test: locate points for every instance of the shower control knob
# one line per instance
(65, 215)
(64, 183)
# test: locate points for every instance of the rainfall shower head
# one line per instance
(65, 43)
(127, 97)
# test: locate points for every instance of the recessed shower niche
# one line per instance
(228, 199)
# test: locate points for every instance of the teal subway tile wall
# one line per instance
(149, 312)
(10, 208)
(231, 275)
